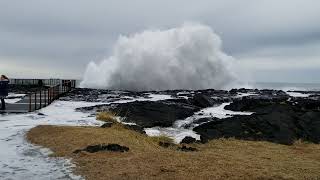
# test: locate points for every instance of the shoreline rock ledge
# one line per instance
(279, 122)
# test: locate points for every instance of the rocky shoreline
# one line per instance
(276, 116)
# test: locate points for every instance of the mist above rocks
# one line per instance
(185, 57)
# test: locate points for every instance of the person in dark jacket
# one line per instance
(4, 84)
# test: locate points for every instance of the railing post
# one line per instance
(52, 93)
(55, 93)
(30, 101)
(49, 96)
(45, 97)
(35, 100)
(40, 99)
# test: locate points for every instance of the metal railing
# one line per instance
(50, 90)
(45, 82)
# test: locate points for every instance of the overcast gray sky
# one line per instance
(274, 40)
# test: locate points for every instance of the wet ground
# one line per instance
(21, 160)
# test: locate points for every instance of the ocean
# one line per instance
(287, 86)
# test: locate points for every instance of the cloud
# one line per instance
(75, 32)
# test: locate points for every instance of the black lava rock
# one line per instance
(188, 140)
(136, 128)
(257, 104)
(276, 122)
(107, 125)
(307, 104)
(102, 147)
(203, 101)
(165, 144)
(187, 149)
(150, 114)
(204, 139)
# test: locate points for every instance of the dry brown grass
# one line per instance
(107, 116)
(164, 139)
(218, 159)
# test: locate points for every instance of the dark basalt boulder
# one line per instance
(150, 114)
(280, 123)
(136, 128)
(261, 104)
(272, 92)
(306, 104)
(166, 144)
(102, 147)
(247, 105)
(257, 104)
(203, 101)
(107, 125)
(98, 95)
(187, 149)
(203, 139)
(188, 140)
(178, 101)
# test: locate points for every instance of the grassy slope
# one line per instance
(219, 159)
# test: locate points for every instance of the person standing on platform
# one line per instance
(4, 85)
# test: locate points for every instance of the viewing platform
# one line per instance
(46, 91)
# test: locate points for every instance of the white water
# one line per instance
(186, 57)
(21, 160)
(298, 94)
(217, 112)
(178, 130)
(13, 98)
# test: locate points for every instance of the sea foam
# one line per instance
(186, 57)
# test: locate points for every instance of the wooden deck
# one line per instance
(39, 99)
(24, 106)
